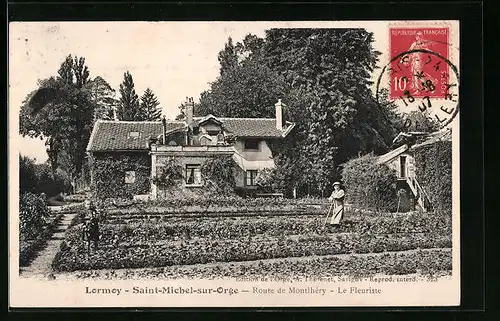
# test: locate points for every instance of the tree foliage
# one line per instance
(228, 57)
(249, 90)
(149, 106)
(103, 95)
(417, 121)
(61, 110)
(128, 106)
(28, 181)
(324, 78)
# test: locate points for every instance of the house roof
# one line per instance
(393, 153)
(114, 135)
(254, 127)
(432, 138)
(444, 135)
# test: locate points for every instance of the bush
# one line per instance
(369, 185)
(433, 169)
(32, 214)
(28, 181)
(29, 249)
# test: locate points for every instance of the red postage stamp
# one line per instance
(418, 62)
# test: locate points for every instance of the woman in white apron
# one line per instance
(337, 198)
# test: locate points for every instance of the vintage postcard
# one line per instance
(234, 164)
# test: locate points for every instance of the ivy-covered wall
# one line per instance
(434, 173)
(109, 169)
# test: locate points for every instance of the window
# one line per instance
(250, 177)
(134, 135)
(213, 132)
(129, 177)
(193, 175)
(252, 144)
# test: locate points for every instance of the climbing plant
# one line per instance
(433, 169)
(218, 174)
(169, 173)
(108, 176)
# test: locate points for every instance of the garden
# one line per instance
(251, 237)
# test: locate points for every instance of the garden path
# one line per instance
(41, 266)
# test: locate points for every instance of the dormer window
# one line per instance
(213, 132)
(134, 135)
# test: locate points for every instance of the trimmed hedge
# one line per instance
(433, 168)
(369, 185)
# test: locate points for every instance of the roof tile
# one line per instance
(114, 135)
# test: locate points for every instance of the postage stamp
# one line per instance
(421, 71)
(422, 74)
(234, 164)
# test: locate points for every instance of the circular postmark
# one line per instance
(419, 81)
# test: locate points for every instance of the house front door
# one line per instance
(403, 167)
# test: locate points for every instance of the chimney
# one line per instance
(164, 122)
(279, 114)
(189, 112)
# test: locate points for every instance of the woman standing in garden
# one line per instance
(337, 198)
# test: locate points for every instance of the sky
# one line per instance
(174, 59)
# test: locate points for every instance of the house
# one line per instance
(190, 142)
(402, 161)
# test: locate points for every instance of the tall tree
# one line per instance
(61, 110)
(128, 106)
(335, 66)
(228, 57)
(182, 112)
(150, 106)
(103, 96)
(324, 77)
(248, 90)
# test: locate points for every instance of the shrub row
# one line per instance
(230, 201)
(422, 262)
(32, 215)
(29, 250)
(133, 255)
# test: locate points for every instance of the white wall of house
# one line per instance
(403, 164)
(263, 152)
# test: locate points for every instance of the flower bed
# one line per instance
(435, 262)
(135, 254)
(162, 228)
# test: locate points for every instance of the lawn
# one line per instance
(241, 243)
